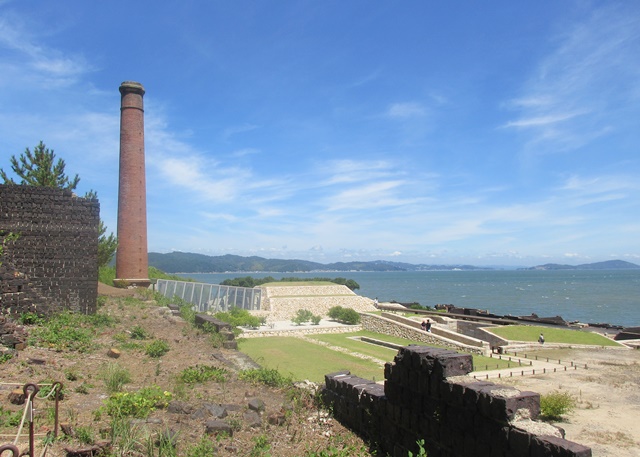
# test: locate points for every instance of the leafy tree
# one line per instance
(39, 168)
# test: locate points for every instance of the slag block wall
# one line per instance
(53, 264)
(427, 397)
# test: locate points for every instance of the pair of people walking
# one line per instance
(426, 325)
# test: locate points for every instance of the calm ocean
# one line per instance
(605, 296)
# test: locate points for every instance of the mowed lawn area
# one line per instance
(530, 333)
(347, 340)
(304, 360)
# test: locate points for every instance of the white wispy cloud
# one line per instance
(47, 66)
(349, 171)
(581, 89)
(406, 110)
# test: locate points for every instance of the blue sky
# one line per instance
(489, 133)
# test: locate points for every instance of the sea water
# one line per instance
(602, 296)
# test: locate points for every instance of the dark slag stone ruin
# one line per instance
(427, 397)
(53, 264)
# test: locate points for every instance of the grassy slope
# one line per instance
(480, 362)
(530, 333)
(304, 360)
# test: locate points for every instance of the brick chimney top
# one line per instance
(131, 86)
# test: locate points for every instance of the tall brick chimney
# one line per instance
(132, 267)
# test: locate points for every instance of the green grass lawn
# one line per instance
(304, 360)
(480, 362)
(551, 335)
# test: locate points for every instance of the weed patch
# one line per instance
(268, 376)
(203, 373)
(156, 348)
(556, 404)
(137, 404)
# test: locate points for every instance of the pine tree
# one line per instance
(39, 168)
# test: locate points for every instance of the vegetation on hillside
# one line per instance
(142, 383)
(107, 274)
(249, 281)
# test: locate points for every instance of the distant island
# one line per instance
(607, 265)
(185, 262)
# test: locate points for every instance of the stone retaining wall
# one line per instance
(439, 331)
(303, 330)
(283, 302)
(426, 396)
(53, 265)
(477, 330)
(385, 326)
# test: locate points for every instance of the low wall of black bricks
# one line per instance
(53, 264)
(426, 397)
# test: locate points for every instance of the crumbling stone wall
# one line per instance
(426, 396)
(53, 264)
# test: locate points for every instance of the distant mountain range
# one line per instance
(608, 265)
(185, 262)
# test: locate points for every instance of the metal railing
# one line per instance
(29, 392)
(211, 297)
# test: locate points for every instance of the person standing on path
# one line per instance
(541, 339)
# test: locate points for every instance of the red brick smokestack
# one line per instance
(132, 265)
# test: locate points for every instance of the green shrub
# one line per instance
(139, 333)
(188, 313)
(10, 418)
(261, 446)
(5, 357)
(238, 317)
(302, 315)
(345, 315)
(205, 448)
(156, 348)
(555, 404)
(85, 435)
(203, 373)
(268, 376)
(30, 318)
(315, 320)
(114, 377)
(136, 404)
(69, 331)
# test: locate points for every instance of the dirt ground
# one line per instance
(303, 430)
(607, 393)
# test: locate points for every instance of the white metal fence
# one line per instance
(211, 297)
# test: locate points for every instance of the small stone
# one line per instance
(36, 361)
(213, 427)
(277, 418)
(218, 411)
(179, 407)
(16, 397)
(252, 419)
(68, 430)
(256, 404)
